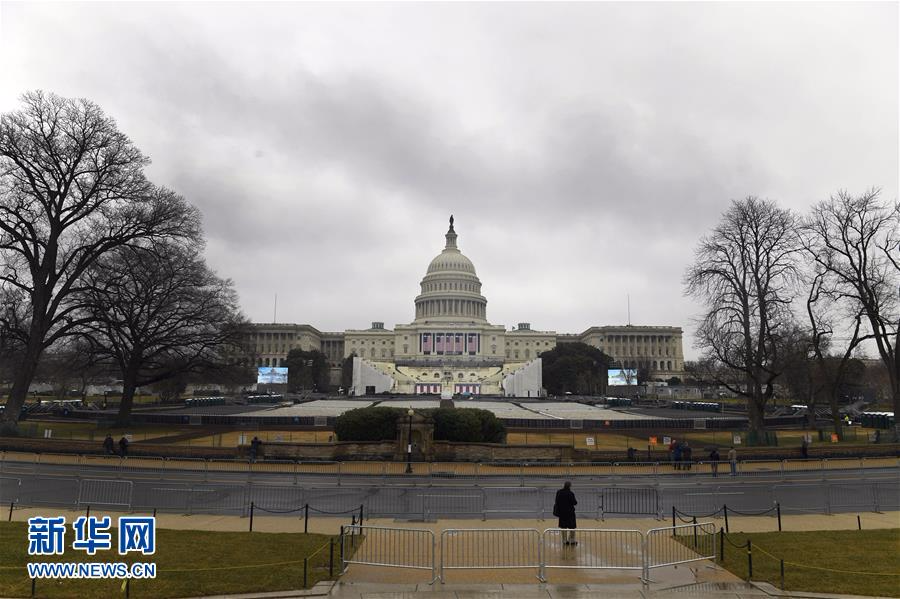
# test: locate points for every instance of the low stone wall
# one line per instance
(76, 446)
(344, 451)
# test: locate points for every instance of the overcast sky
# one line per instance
(583, 148)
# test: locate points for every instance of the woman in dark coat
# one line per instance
(564, 509)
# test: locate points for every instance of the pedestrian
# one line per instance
(123, 446)
(564, 509)
(804, 448)
(109, 444)
(631, 453)
(254, 448)
(732, 459)
(686, 453)
(676, 456)
(714, 461)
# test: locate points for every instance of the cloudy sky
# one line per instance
(583, 148)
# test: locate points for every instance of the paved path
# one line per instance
(227, 491)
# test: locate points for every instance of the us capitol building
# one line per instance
(451, 347)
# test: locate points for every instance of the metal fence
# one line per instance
(105, 492)
(526, 548)
(630, 501)
(680, 544)
(427, 502)
(594, 548)
(490, 549)
(411, 548)
(13, 462)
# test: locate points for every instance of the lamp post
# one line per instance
(409, 470)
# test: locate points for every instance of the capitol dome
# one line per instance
(450, 290)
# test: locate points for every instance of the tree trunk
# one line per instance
(756, 413)
(129, 385)
(836, 414)
(22, 377)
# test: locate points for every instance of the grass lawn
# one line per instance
(188, 563)
(859, 562)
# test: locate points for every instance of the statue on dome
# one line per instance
(451, 221)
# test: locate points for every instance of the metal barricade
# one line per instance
(853, 464)
(547, 470)
(218, 498)
(690, 499)
(393, 501)
(808, 465)
(277, 499)
(301, 468)
(235, 465)
(588, 501)
(186, 465)
(18, 462)
(165, 496)
(753, 468)
(455, 504)
(643, 501)
(272, 466)
(144, 465)
(410, 548)
(795, 498)
(593, 549)
(333, 501)
(9, 489)
(94, 465)
(852, 497)
(887, 496)
(499, 470)
(512, 500)
(115, 493)
(490, 549)
(454, 470)
(59, 459)
(746, 497)
(634, 469)
(681, 544)
(54, 491)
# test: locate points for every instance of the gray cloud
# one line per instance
(584, 148)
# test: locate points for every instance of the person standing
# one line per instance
(123, 446)
(109, 445)
(254, 449)
(714, 461)
(732, 459)
(564, 509)
(676, 456)
(687, 455)
(804, 448)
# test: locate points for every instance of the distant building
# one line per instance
(450, 347)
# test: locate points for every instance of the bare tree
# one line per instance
(855, 243)
(744, 274)
(72, 189)
(833, 370)
(158, 312)
(799, 370)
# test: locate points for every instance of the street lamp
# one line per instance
(409, 413)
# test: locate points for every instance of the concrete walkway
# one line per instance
(703, 579)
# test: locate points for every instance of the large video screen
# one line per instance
(621, 376)
(271, 375)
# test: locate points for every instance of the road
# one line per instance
(425, 495)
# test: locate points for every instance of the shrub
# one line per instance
(467, 425)
(368, 424)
